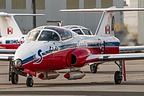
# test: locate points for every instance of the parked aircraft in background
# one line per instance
(122, 49)
(51, 48)
(79, 29)
(11, 35)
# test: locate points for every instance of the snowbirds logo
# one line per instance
(40, 54)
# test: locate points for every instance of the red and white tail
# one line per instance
(8, 25)
(106, 24)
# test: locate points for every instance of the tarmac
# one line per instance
(99, 84)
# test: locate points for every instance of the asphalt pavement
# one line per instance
(99, 84)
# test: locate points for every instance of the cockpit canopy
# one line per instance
(79, 29)
(49, 33)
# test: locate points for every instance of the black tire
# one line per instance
(29, 82)
(93, 68)
(14, 78)
(117, 77)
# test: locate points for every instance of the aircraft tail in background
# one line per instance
(8, 25)
(11, 35)
(106, 23)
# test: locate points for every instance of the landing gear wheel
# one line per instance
(29, 82)
(93, 68)
(117, 77)
(14, 78)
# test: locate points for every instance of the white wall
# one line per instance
(131, 17)
(141, 23)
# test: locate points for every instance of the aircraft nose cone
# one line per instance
(30, 51)
(24, 51)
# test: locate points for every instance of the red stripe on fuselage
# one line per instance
(58, 60)
(54, 61)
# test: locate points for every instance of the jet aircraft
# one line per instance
(48, 49)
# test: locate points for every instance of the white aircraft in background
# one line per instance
(11, 35)
(48, 49)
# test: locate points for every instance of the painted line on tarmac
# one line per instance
(92, 93)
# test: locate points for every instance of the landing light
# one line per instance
(18, 63)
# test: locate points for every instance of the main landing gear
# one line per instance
(118, 76)
(94, 67)
(29, 81)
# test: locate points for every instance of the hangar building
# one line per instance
(51, 10)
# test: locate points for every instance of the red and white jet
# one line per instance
(51, 48)
(11, 35)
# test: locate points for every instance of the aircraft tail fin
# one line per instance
(8, 25)
(106, 23)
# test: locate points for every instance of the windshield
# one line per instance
(87, 32)
(32, 36)
(65, 34)
(49, 33)
(48, 36)
(78, 31)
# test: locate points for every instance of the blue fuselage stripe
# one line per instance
(74, 45)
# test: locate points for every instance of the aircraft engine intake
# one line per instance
(48, 75)
(74, 75)
(78, 57)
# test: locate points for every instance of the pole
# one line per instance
(34, 12)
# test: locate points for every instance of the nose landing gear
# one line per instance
(94, 67)
(13, 76)
(14, 73)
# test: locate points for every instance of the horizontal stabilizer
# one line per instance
(6, 57)
(131, 48)
(112, 9)
(19, 14)
(7, 51)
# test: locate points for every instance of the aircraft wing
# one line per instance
(6, 54)
(7, 51)
(131, 48)
(115, 57)
(6, 57)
